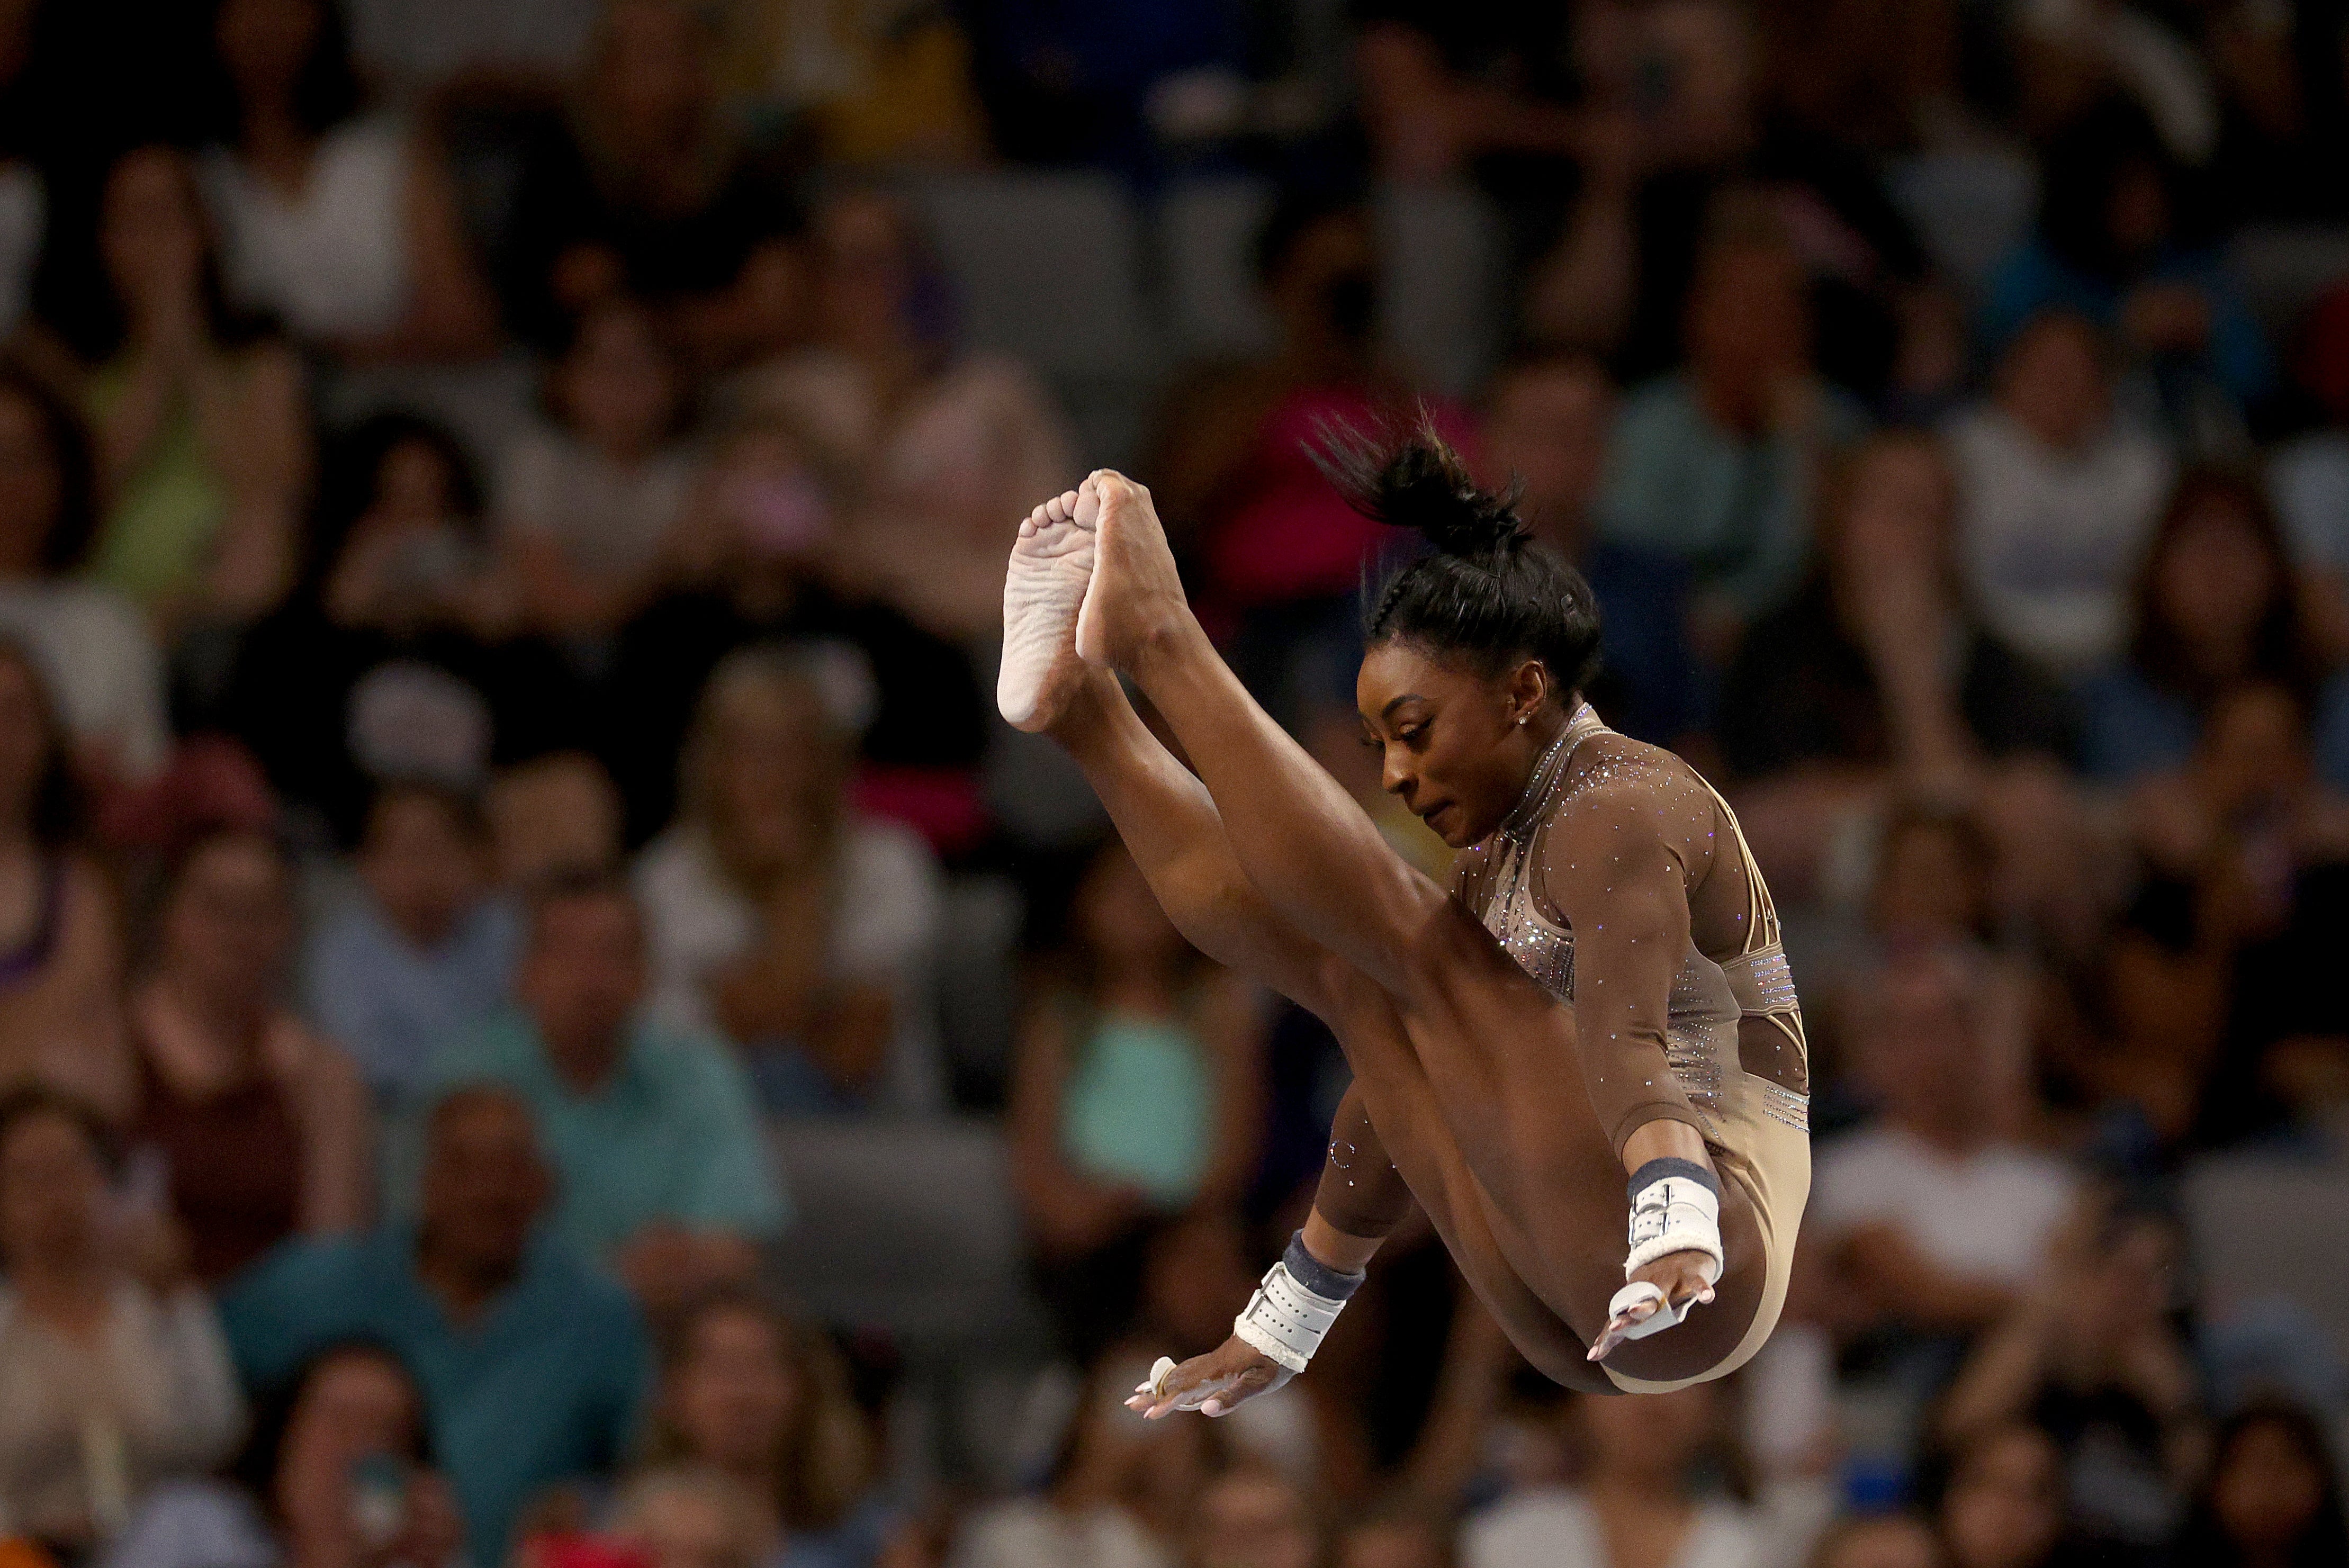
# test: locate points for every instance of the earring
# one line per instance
(1521, 721)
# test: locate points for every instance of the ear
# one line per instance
(1527, 687)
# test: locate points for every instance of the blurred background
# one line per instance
(546, 1022)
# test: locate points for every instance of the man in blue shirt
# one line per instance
(654, 1135)
(534, 1364)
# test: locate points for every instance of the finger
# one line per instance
(1619, 1327)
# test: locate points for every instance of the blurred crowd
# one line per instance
(501, 517)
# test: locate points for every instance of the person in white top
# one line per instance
(2057, 497)
(345, 228)
(781, 918)
(1936, 1215)
(1636, 1506)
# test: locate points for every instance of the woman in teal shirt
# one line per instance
(1136, 1097)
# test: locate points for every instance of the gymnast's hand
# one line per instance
(1679, 1275)
(1213, 1384)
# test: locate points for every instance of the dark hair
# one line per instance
(350, 472)
(256, 1464)
(574, 884)
(74, 523)
(56, 798)
(1297, 212)
(2083, 163)
(2280, 643)
(462, 808)
(326, 89)
(1483, 591)
(2203, 1538)
(33, 1101)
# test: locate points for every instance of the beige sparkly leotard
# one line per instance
(1621, 831)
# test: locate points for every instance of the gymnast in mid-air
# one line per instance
(1584, 1059)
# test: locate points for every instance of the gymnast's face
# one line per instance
(1452, 749)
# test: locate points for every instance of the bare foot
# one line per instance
(1135, 590)
(1051, 566)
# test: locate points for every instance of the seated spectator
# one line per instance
(2271, 1494)
(2216, 602)
(203, 442)
(338, 1469)
(94, 648)
(764, 1401)
(663, 1167)
(551, 815)
(939, 444)
(263, 1126)
(2092, 1354)
(1233, 475)
(1877, 677)
(586, 507)
(2113, 244)
(2003, 1502)
(1885, 1541)
(803, 931)
(686, 1516)
(1123, 1493)
(755, 566)
(532, 1363)
(1254, 1516)
(61, 964)
(1937, 1215)
(1392, 1538)
(112, 1382)
(422, 952)
(647, 190)
(898, 94)
(1637, 1500)
(345, 229)
(395, 656)
(2056, 496)
(1716, 464)
(1548, 425)
(1136, 1095)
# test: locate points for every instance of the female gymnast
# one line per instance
(1601, 990)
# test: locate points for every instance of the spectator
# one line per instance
(263, 1126)
(61, 973)
(2216, 602)
(765, 1401)
(1885, 1541)
(2003, 1505)
(1393, 1539)
(1106, 87)
(1636, 1503)
(1715, 465)
(344, 229)
(396, 656)
(95, 651)
(533, 1365)
(689, 1517)
(2057, 496)
(804, 932)
(108, 1382)
(1136, 1095)
(1120, 1495)
(663, 1167)
(2091, 1355)
(422, 952)
(1877, 677)
(2113, 245)
(1937, 1215)
(552, 815)
(898, 92)
(1253, 1516)
(203, 440)
(941, 445)
(1548, 425)
(586, 509)
(2271, 1496)
(647, 191)
(338, 1471)
(762, 535)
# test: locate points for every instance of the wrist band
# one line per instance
(1675, 1208)
(1287, 1317)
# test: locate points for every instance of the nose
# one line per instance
(1396, 776)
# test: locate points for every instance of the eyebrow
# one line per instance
(1398, 702)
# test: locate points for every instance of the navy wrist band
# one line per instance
(1655, 1171)
(1316, 1276)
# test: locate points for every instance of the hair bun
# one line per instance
(1417, 481)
